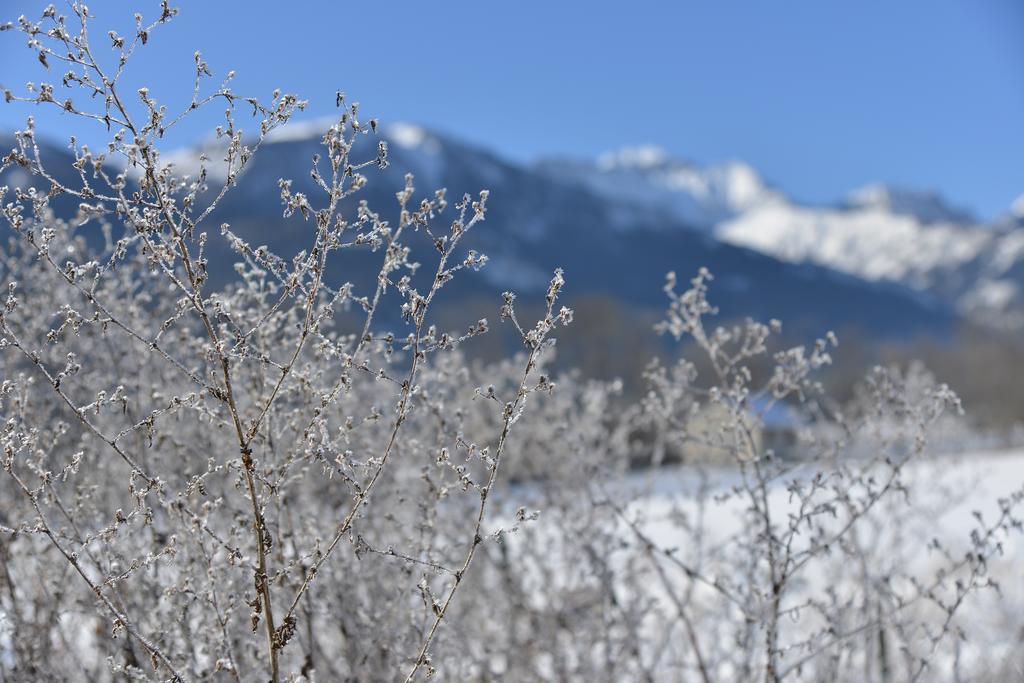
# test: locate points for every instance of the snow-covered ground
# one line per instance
(909, 538)
(951, 485)
(950, 497)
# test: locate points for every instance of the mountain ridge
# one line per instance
(609, 246)
(878, 232)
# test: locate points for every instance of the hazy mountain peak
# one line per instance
(310, 129)
(1017, 207)
(412, 137)
(652, 179)
(641, 157)
(926, 205)
(880, 233)
(400, 133)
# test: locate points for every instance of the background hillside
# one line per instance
(897, 273)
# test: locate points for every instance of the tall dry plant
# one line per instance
(259, 481)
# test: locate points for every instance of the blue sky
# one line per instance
(819, 96)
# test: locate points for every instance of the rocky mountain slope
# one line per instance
(878, 233)
(619, 224)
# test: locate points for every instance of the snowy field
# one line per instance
(912, 538)
(951, 496)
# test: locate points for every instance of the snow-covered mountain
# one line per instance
(877, 233)
(979, 268)
(571, 215)
(928, 206)
(615, 225)
(650, 180)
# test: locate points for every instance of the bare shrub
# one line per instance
(235, 483)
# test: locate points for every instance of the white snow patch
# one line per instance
(311, 129)
(993, 295)
(1017, 207)
(407, 135)
(648, 179)
(946, 491)
(639, 157)
(927, 205)
(1009, 252)
(190, 161)
(868, 242)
